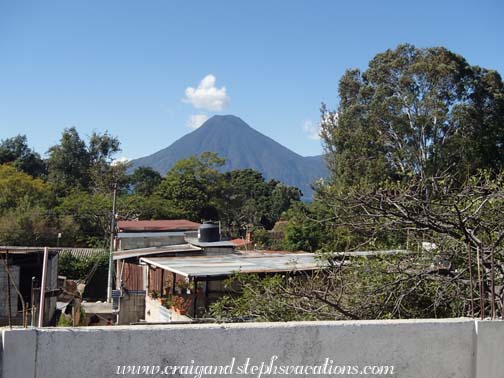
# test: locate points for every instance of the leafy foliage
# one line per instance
(78, 268)
(73, 165)
(415, 112)
(16, 186)
(16, 152)
(145, 180)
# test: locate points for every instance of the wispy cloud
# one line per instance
(206, 95)
(312, 129)
(196, 121)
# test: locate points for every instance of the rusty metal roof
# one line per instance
(157, 225)
(159, 234)
(170, 249)
(225, 265)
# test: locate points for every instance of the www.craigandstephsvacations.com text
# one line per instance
(257, 369)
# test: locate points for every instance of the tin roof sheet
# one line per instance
(251, 262)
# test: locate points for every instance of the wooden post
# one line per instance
(174, 281)
(42, 288)
(162, 283)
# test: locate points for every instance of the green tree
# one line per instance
(103, 170)
(192, 186)
(303, 233)
(417, 144)
(74, 165)
(92, 212)
(32, 225)
(250, 200)
(16, 186)
(69, 163)
(145, 180)
(16, 152)
(415, 112)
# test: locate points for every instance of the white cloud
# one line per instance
(121, 160)
(196, 120)
(312, 129)
(207, 96)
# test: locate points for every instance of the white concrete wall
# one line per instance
(455, 348)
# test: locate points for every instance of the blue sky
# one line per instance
(143, 70)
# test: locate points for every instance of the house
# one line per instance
(153, 233)
(181, 261)
(181, 288)
(159, 238)
(132, 278)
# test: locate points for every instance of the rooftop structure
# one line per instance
(157, 225)
(221, 266)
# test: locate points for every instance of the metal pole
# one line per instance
(111, 260)
(42, 288)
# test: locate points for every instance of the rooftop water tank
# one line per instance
(208, 232)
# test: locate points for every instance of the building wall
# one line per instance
(4, 304)
(455, 348)
(151, 241)
(131, 275)
(16, 266)
(132, 307)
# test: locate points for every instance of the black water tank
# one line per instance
(208, 232)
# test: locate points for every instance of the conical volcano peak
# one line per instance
(224, 121)
(243, 147)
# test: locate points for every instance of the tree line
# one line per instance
(66, 198)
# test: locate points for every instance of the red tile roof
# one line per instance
(157, 225)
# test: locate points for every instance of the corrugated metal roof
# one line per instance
(373, 253)
(82, 252)
(77, 252)
(252, 262)
(157, 225)
(170, 249)
(24, 250)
